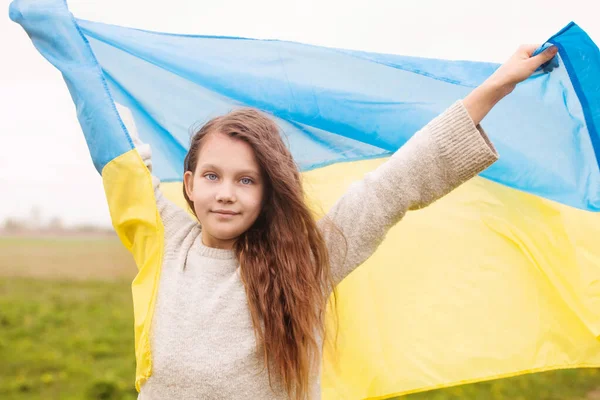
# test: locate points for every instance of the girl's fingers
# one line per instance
(544, 56)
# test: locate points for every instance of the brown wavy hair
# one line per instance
(283, 258)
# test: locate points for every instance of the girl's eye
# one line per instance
(211, 177)
(246, 181)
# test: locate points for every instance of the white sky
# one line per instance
(44, 161)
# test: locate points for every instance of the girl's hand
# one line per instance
(520, 66)
(503, 81)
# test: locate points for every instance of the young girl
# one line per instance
(242, 289)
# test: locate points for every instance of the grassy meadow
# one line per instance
(66, 329)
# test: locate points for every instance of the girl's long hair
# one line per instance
(283, 258)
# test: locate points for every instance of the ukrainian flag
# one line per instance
(501, 277)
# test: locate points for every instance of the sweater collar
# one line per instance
(212, 252)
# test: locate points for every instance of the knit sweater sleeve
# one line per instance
(175, 219)
(441, 156)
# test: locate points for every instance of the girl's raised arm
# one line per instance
(141, 215)
(447, 152)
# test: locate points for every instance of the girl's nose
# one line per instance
(225, 194)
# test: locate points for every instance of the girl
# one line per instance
(242, 289)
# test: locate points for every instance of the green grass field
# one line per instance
(65, 340)
(67, 332)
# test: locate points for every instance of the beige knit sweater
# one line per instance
(203, 342)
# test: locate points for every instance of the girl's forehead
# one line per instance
(219, 144)
(224, 151)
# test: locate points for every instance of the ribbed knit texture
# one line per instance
(203, 344)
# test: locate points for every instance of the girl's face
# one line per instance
(227, 189)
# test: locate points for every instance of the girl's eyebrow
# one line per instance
(208, 166)
(249, 172)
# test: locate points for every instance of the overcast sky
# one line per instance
(44, 161)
